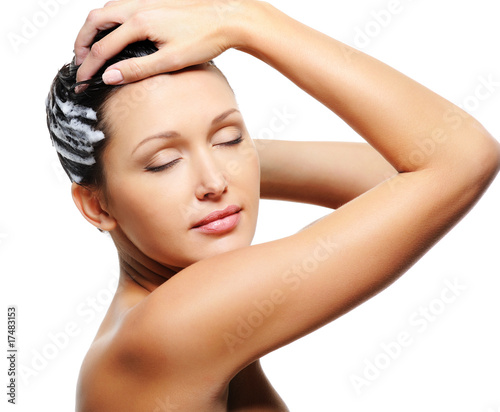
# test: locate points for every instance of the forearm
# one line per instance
(395, 114)
(322, 173)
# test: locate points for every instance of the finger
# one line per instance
(99, 19)
(106, 48)
(164, 60)
(135, 69)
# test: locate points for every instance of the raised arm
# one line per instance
(395, 114)
(255, 299)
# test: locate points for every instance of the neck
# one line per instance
(137, 267)
(149, 277)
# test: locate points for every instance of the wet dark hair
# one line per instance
(76, 121)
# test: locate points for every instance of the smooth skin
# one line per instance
(176, 345)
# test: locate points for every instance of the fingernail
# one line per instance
(80, 88)
(112, 77)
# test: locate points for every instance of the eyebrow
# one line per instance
(172, 134)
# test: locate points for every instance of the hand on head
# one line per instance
(185, 32)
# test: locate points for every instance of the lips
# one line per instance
(219, 221)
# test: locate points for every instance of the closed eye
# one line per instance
(162, 167)
(239, 139)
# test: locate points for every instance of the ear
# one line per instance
(91, 207)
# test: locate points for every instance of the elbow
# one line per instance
(472, 163)
(496, 156)
(483, 161)
(490, 159)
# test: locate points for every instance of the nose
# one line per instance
(212, 181)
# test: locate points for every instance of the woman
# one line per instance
(176, 182)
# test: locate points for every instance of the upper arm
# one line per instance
(328, 174)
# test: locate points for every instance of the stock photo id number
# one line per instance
(11, 354)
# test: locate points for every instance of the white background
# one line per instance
(53, 263)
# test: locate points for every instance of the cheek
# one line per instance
(143, 206)
(245, 167)
(152, 220)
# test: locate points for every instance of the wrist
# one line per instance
(246, 22)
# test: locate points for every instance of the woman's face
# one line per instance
(179, 151)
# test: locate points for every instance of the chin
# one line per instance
(219, 246)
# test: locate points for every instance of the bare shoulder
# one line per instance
(123, 370)
(105, 384)
(115, 376)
